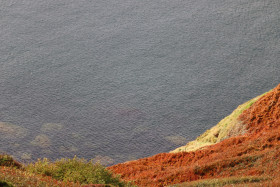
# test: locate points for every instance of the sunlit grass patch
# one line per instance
(228, 127)
(18, 177)
(75, 170)
(223, 181)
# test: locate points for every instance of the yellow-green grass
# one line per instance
(228, 127)
(75, 170)
(224, 181)
(19, 177)
(64, 172)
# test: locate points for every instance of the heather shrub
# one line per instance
(75, 170)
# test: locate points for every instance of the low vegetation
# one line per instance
(18, 177)
(63, 172)
(75, 170)
(223, 181)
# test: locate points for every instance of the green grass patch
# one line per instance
(19, 177)
(223, 181)
(75, 170)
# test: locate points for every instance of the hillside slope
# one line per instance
(228, 127)
(252, 148)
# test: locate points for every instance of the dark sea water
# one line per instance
(121, 80)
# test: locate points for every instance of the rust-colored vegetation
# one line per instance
(243, 148)
(255, 153)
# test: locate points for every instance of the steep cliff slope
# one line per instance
(247, 144)
(228, 127)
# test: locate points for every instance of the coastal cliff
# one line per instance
(244, 144)
(243, 148)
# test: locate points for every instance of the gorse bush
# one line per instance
(75, 170)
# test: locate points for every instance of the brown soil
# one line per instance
(256, 153)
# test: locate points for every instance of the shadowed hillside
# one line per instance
(249, 147)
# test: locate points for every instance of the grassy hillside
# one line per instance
(244, 145)
(228, 127)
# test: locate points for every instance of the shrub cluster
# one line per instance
(75, 170)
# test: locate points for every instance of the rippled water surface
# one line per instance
(120, 80)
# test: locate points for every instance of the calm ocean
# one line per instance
(125, 79)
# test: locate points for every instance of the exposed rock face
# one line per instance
(255, 152)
